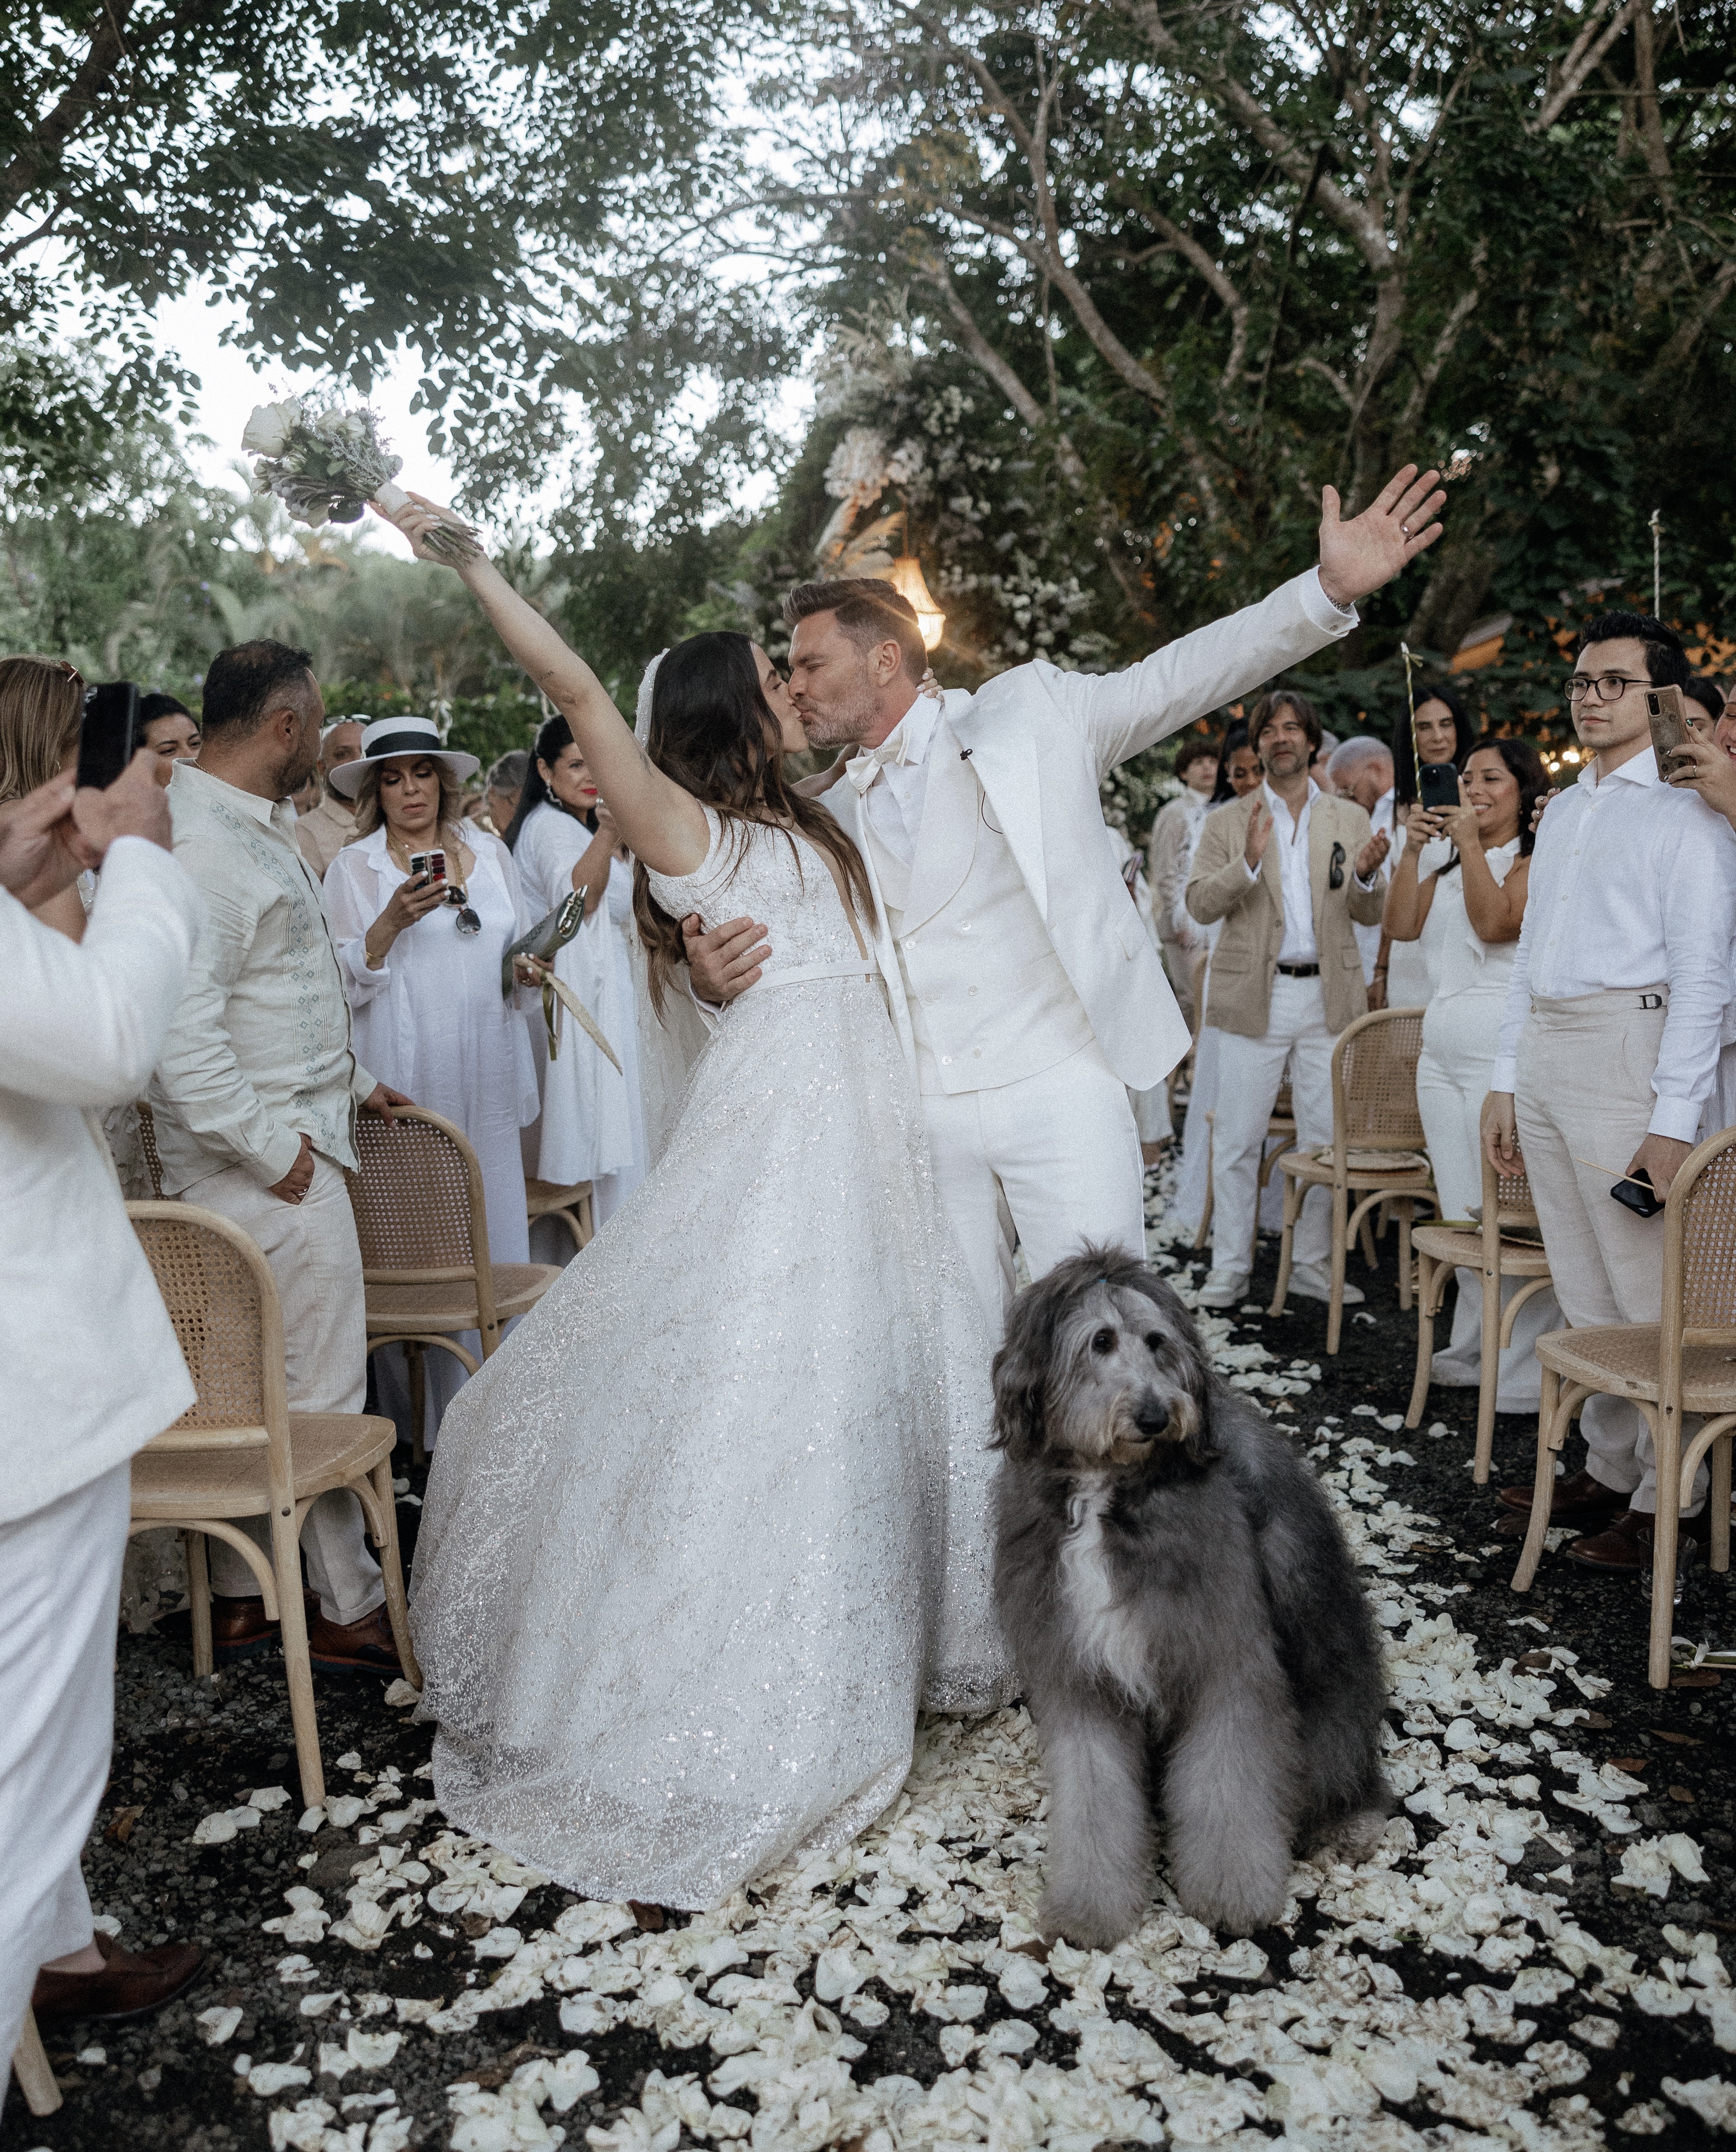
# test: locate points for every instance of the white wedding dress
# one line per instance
(715, 1521)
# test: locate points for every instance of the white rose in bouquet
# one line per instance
(271, 426)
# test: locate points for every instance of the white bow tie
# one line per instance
(863, 769)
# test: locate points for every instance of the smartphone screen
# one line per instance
(1667, 717)
(109, 733)
(1438, 784)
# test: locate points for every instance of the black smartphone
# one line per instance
(1636, 1193)
(109, 733)
(1438, 785)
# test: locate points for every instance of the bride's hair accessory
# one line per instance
(641, 715)
(325, 466)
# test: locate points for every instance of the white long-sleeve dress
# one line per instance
(593, 1126)
(432, 1023)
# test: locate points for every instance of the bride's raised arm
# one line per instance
(664, 825)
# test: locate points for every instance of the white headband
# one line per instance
(641, 716)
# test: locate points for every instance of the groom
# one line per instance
(1026, 994)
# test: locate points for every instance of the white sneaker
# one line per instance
(1308, 1281)
(1224, 1289)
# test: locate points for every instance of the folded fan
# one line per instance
(542, 943)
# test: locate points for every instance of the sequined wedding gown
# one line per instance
(714, 1520)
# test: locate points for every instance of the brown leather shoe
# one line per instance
(240, 1629)
(1627, 1545)
(130, 1984)
(364, 1646)
(1578, 1499)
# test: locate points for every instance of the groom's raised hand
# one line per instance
(1358, 556)
(727, 961)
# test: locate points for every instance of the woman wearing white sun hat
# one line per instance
(422, 972)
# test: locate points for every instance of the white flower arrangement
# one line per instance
(327, 466)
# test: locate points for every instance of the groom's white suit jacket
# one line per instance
(1009, 943)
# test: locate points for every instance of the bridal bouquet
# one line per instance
(325, 466)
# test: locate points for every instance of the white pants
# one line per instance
(59, 1598)
(1048, 1162)
(1248, 1072)
(1193, 1176)
(1452, 1071)
(311, 1248)
(1585, 1091)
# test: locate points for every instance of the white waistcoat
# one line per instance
(990, 1000)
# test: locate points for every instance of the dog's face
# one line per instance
(1101, 1369)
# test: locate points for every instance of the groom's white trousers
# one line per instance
(1049, 1161)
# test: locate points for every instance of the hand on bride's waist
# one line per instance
(724, 961)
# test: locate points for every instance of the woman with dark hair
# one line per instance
(169, 729)
(564, 839)
(706, 1531)
(1445, 733)
(1472, 901)
(1238, 766)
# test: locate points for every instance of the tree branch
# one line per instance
(1200, 260)
(1583, 54)
(983, 354)
(51, 132)
(1464, 306)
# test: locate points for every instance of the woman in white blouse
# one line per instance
(563, 839)
(424, 975)
(1461, 881)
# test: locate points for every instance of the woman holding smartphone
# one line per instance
(423, 973)
(1463, 878)
(1706, 764)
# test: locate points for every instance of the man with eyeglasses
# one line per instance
(1292, 872)
(1609, 1048)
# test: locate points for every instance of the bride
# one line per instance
(713, 1522)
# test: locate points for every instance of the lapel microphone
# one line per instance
(966, 752)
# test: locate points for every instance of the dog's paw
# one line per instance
(1090, 1927)
(1351, 1840)
(1236, 1897)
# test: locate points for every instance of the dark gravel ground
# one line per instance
(184, 1748)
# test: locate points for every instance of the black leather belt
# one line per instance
(1300, 971)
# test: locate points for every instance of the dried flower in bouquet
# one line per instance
(325, 466)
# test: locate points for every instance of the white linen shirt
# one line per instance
(260, 1052)
(1298, 946)
(92, 1369)
(1633, 885)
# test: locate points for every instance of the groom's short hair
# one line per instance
(869, 611)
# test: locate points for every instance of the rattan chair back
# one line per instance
(1507, 1198)
(148, 1147)
(417, 1194)
(1699, 1259)
(222, 1300)
(1374, 1083)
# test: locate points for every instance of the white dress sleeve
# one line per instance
(352, 914)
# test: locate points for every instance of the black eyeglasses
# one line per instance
(1610, 686)
(1335, 868)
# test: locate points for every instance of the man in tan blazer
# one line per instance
(1292, 872)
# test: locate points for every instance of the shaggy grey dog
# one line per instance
(1183, 1610)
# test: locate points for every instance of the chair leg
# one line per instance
(198, 1594)
(391, 1573)
(1365, 1241)
(1341, 1249)
(1489, 1371)
(1293, 1192)
(30, 2067)
(1403, 1208)
(413, 1354)
(1425, 1341)
(1551, 1433)
(1205, 1232)
(1666, 1536)
(569, 1218)
(299, 1671)
(1719, 1499)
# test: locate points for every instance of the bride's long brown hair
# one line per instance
(714, 733)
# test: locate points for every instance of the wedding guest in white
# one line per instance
(1174, 834)
(255, 1096)
(92, 1369)
(1289, 870)
(504, 787)
(1465, 872)
(1405, 972)
(564, 839)
(42, 711)
(169, 729)
(328, 826)
(1361, 770)
(1609, 1047)
(424, 976)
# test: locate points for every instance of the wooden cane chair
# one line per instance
(1685, 1363)
(1490, 1248)
(571, 1205)
(1376, 1153)
(148, 1147)
(423, 1223)
(30, 2066)
(238, 1451)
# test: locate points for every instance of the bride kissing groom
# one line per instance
(701, 1536)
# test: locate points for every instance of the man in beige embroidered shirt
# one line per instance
(256, 1098)
(324, 830)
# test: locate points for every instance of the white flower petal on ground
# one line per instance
(218, 2023)
(264, 2080)
(1711, 2099)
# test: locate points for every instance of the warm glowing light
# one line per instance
(905, 577)
(1570, 754)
